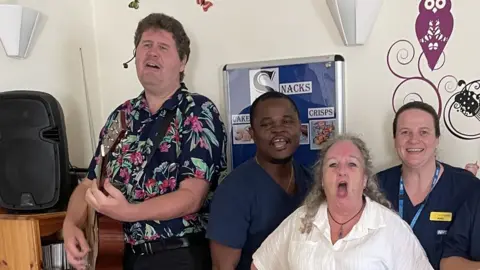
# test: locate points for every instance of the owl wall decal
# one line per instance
(434, 27)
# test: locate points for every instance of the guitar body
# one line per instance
(111, 244)
(106, 240)
(105, 235)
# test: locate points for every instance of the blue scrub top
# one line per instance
(248, 205)
(453, 188)
(463, 238)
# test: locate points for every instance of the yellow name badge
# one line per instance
(441, 216)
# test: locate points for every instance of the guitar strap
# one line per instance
(161, 125)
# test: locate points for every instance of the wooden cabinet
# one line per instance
(21, 239)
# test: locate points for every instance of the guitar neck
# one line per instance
(103, 175)
(103, 171)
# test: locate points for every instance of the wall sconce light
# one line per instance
(354, 18)
(17, 26)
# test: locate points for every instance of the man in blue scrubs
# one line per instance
(260, 193)
(462, 245)
(427, 193)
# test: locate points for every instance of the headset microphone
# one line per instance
(125, 65)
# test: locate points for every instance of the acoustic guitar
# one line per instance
(105, 235)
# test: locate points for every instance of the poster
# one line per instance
(315, 84)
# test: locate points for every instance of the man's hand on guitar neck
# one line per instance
(114, 205)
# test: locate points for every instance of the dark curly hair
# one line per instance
(161, 21)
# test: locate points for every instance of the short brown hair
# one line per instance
(164, 22)
(419, 105)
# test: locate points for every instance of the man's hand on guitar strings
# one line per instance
(114, 205)
(76, 245)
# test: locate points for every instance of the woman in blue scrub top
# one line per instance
(426, 192)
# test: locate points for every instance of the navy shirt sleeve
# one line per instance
(229, 219)
(203, 142)
(460, 236)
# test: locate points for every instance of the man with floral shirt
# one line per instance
(162, 202)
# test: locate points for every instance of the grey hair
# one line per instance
(317, 195)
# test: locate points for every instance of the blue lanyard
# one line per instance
(401, 195)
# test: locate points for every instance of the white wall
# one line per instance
(239, 31)
(251, 30)
(54, 66)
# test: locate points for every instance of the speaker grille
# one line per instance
(34, 172)
(27, 172)
(23, 113)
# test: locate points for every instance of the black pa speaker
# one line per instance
(34, 161)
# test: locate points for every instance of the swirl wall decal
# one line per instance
(403, 52)
(462, 111)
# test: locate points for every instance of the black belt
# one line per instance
(168, 243)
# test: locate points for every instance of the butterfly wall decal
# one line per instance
(205, 4)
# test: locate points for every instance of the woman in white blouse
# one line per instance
(345, 222)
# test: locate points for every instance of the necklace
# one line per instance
(291, 175)
(340, 234)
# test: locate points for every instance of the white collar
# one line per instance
(372, 218)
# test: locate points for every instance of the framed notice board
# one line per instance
(316, 84)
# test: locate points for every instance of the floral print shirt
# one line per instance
(193, 146)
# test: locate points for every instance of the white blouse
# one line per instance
(379, 240)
